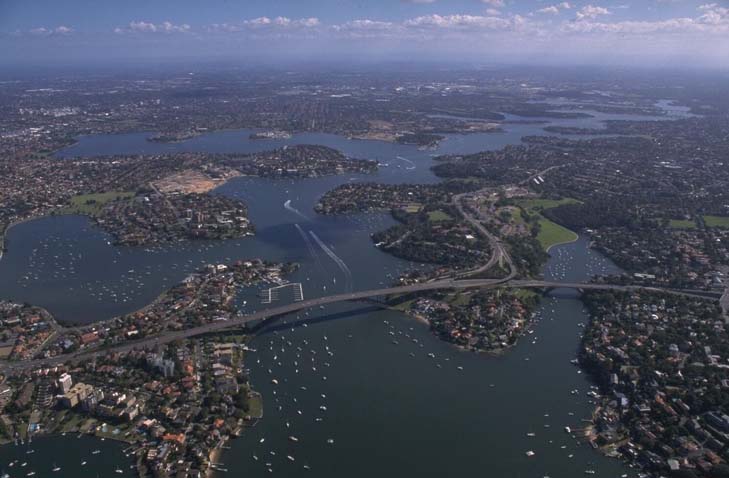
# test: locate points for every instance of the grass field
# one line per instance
(542, 204)
(92, 204)
(717, 221)
(681, 224)
(551, 234)
(525, 294)
(437, 216)
(413, 208)
(255, 404)
(459, 299)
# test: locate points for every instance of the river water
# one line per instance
(387, 412)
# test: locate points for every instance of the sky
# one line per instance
(623, 32)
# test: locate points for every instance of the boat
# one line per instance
(293, 439)
(330, 441)
(83, 463)
(568, 429)
(530, 453)
(96, 452)
(56, 468)
(291, 458)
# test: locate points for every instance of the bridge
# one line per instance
(269, 313)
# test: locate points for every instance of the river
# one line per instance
(388, 413)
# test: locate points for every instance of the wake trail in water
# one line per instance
(311, 248)
(412, 164)
(342, 265)
(289, 207)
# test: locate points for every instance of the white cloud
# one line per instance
(419, 1)
(463, 22)
(494, 3)
(591, 12)
(142, 26)
(555, 9)
(43, 31)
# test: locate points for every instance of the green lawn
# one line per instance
(413, 208)
(516, 216)
(459, 299)
(717, 221)
(525, 294)
(437, 216)
(681, 224)
(551, 234)
(92, 204)
(255, 404)
(542, 204)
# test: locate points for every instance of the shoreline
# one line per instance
(4, 235)
(577, 238)
(215, 454)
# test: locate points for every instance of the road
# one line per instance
(498, 251)
(269, 313)
(724, 303)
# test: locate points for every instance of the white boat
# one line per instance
(293, 439)
(530, 453)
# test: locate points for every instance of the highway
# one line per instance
(273, 312)
(498, 254)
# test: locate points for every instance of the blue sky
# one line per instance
(614, 31)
